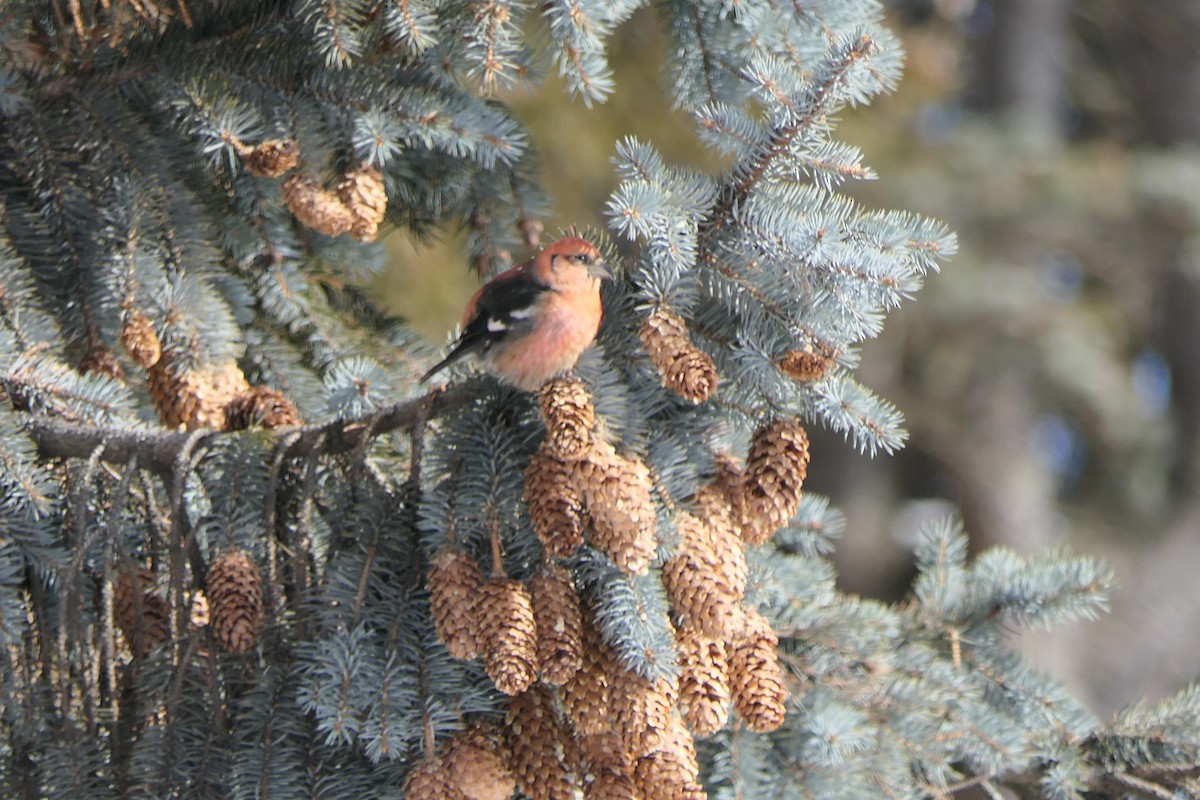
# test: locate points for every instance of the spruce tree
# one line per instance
(244, 552)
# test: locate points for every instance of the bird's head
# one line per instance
(571, 254)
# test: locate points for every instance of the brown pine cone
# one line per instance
(559, 625)
(805, 365)
(555, 506)
(99, 360)
(507, 634)
(477, 763)
(617, 495)
(194, 398)
(363, 191)
(661, 776)
(542, 748)
(272, 158)
(704, 692)
(585, 695)
(261, 407)
(706, 577)
(429, 779)
(684, 368)
(454, 580)
(640, 707)
(315, 206)
(606, 784)
(775, 472)
(756, 677)
(234, 591)
(139, 611)
(139, 338)
(569, 416)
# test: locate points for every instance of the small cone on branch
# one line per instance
(640, 706)
(260, 407)
(99, 360)
(454, 580)
(805, 365)
(555, 506)
(315, 206)
(194, 398)
(559, 624)
(585, 695)
(139, 338)
(272, 158)
(477, 763)
(363, 191)
(234, 591)
(617, 494)
(775, 472)
(704, 693)
(684, 368)
(139, 611)
(541, 747)
(569, 416)
(756, 677)
(507, 634)
(430, 780)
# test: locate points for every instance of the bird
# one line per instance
(533, 322)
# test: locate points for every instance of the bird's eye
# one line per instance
(584, 259)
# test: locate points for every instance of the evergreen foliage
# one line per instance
(142, 160)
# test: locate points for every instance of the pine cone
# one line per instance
(363, 191)
(661, 776)
(477, 763)
(194, 398)
(139, 611)
(755, 676)
(676, 741)
(507, 634)
(272, 158)
(454, 581)
(706, 578)
(585, 695)
(559, 625)
(315, 206)
(805, 365)
(555, 507)
(606, 784)
(616, 493)
(541, 747)
(234, 590)
(431, 780)
(260, 407)
(640, 707)
(685, 369)
(99, 360)
(704, 692)
(569, 417)
(777, 466)
(139, 338)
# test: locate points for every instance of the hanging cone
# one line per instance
(139, 338)
(541, 747)
(139, 611)
(363, 191)
(661, 776)
(99, 360)
(315, 206)
(706, 578)
(569, 416)
(704, 693)
(640, 706)
(272, 158)
(507, 634)
(607, 767)
(775, 472)
(555, 507)
(477, 763)
(755, 676)
(234, 591)
(616, 493)
(684, 368)
(805, 365)
(585, 695)
(194, 398)
(260, 407)
(559, 626)
(430, 780)
(454, 581)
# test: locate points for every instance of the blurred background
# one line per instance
(1051, 375)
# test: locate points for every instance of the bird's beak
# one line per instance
(599, 269)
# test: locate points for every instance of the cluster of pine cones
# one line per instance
(579, 719)
(232, 600)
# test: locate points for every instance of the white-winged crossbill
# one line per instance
(534, 321)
